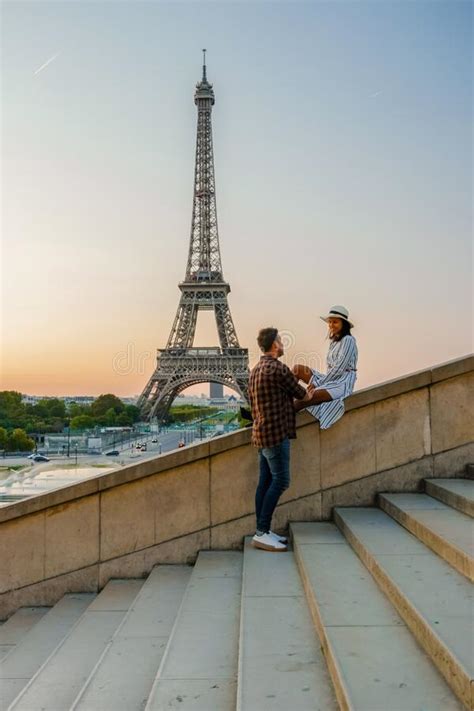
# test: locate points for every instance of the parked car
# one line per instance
(154, 441)
(113, 453)
(39, 458)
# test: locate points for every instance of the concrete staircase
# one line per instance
(371, 612)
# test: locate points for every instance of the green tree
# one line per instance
(40, 409)
(187, 413)
(133, 413)
(124, 420)
(3, 438)
(110, 417)
(55, 407)
(75, 410)
(12, 410)
(18, 441)
(103, 403)
(82, 422)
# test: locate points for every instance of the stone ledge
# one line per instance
(62, 495)
(102, 482)
(183, 548)
(457, 366)
(228, 442)
(390, 388)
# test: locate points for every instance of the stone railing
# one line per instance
(165, 510)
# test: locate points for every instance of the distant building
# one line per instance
(68, 399)
(227, 402)
(216, 390)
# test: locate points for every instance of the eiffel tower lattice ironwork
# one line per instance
(180, 365)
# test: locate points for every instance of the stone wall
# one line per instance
(166, 509)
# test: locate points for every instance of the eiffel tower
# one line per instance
(180, 365)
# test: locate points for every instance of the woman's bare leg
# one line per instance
(302, 372)
(317, 397)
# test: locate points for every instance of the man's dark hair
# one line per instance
(345, 331)
(265, 338)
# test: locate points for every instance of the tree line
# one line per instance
(18, 419)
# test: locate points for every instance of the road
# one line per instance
(168, 441)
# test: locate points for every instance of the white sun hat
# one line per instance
(338, 311)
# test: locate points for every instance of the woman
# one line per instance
(330, 389)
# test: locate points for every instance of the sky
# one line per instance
(343, 159)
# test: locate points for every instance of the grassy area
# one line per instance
(186, 413)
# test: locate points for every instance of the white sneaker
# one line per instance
(280, 539)
(268, 543)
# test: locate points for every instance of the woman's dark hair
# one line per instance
(265, 338)
(345, 331)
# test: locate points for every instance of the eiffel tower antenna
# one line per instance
(180, 364)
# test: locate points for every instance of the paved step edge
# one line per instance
(450, 498)
(108, 646)
(45, 662)
(26, 688)
(447, 550)
(158, 678)
(453, 671)
(337, 677)
(166, 653)
(37, 612)
(238, 698)
(7, 648)
(83, 601)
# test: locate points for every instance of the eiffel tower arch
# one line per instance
(180, 364)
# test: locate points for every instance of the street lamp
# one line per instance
(68, 425)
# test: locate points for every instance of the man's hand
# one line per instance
(309, 393)
(305, 401)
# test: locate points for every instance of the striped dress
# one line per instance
(338, 381)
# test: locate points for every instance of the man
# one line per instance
(272, 387)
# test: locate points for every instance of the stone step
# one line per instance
(435, 601)
(19, 666)
(281, 665)
(117, 682)
(17, 626)
(374, 661)
(57, 683)
(457, 493)
(448, 532)
(199, 667)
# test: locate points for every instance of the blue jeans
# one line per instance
(274, 463)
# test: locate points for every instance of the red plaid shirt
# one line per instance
(272, 387)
